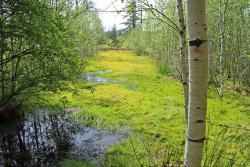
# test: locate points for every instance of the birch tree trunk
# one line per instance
(198, 71)
(183, 54)
(222, 45)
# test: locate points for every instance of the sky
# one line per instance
(109, 19)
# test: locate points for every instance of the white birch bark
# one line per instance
(198, 72)
(183, 55)
(222, 45)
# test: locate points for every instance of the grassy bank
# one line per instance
(151, 106)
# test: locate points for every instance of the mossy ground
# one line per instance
(147, 103)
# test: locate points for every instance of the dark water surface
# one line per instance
(43, 139)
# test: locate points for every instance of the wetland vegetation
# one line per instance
(165, 90)
(136, 99)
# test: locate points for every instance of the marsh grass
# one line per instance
(164, 68)
(153, 112)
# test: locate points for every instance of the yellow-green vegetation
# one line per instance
(150, 105)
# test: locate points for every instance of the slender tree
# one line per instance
(183, 53)
(222, 44)
(198, 67)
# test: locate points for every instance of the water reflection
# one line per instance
(91, 77)
(94, 78)
(43, 139)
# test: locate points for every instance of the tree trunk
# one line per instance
(183, 55)
(222, 46)
(198, 72)
(134, 17)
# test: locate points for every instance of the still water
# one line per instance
(44, 138)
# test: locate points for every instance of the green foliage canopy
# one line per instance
(40, 47)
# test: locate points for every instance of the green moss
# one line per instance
(148, 103)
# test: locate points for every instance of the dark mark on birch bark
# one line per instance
(200, 121)
(197, 42)
(197, 140)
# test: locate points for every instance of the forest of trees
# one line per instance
(228, 24)
(46, 44)
(168, 31)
